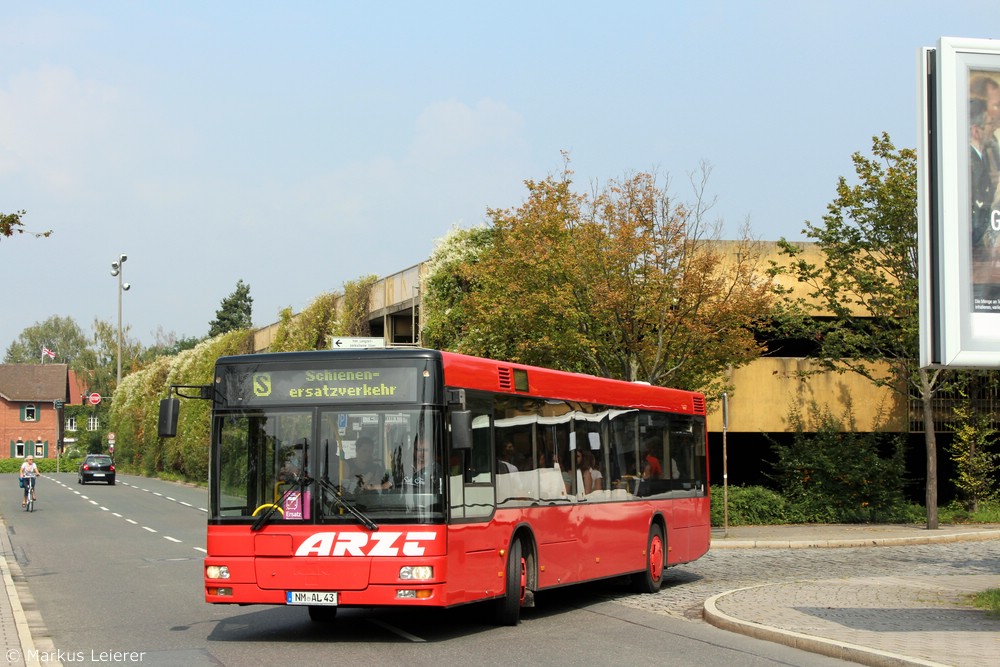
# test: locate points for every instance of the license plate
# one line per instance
(98, 474)
(311, 597)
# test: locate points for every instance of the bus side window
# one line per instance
(479, 465)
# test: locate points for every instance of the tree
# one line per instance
(61, 335)
(869, 243)
(10, 224)
(975, 463)
(657, 286)
(236, 312)
(352, 320)
(620, 284)
(103, 372)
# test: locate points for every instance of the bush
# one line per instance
(750, 506)
(830, 473)
(45, 466)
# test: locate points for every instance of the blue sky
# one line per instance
(299, 145)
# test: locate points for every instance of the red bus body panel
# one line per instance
(574, 542)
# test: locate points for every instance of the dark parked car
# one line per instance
(96, 468)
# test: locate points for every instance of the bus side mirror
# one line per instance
(461, 429)
(169, 409)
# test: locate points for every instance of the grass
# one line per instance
(988, 600)
(988, 512)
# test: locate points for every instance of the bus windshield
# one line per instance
(317, 465)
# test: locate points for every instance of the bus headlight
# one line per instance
(418, 572)
(217, 572)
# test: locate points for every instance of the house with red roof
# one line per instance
(32, 397)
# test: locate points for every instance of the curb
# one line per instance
(8, 565)
(827, 647)
(979, 536)
(37, 648)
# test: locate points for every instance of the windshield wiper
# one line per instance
(351, 509)
(300, 483)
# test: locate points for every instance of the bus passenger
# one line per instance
(505, 460)
(652, 468)
(592, 477)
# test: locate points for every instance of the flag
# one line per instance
(49, 353)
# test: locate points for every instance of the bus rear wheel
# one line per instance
(508, 608)
(650, 579)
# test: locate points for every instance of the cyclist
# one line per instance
(28, 473)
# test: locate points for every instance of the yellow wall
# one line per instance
(769, 388)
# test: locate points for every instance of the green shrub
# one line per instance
(830, 473)
(45, 466)
(750, 506)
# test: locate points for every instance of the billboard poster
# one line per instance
(958, 172)
(984, 172)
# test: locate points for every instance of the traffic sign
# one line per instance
(357, 343)
(94, 398)
(111, 438)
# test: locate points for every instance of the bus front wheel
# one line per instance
(650, 579)
(508, 608)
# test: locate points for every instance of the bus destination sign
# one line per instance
(328, 385)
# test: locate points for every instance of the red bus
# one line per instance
(420, 478)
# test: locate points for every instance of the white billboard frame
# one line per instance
(959, 267)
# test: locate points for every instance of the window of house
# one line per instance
(30, 413)
(93, 423)
(19, 449)
(70, 423)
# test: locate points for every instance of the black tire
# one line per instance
(322, 614)
(111, 482)
(507, 610)
(650, 580)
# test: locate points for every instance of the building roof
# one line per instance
(34, 382)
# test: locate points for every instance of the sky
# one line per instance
(300, 145)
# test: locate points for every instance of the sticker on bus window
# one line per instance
(296, 505)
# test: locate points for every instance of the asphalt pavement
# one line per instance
(880, 621)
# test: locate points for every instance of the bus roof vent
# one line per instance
(699, 405)
(506, 377)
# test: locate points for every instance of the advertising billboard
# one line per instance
(958, 170)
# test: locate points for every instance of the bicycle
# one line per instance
(29, 494)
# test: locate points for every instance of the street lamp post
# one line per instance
(117, 269)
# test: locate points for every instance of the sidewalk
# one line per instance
(18, 645)
(878, 621)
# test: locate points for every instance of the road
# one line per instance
(113, 576)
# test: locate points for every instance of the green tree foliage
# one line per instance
(622, 284)
(235, 312)
(975, 463)
(869, 244)
(309, 330)
(450, 276)
(135, 410)
(353, 318)
(10, 224)
(830, 473)
(62, 335)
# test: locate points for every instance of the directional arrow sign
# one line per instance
(357, 343)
